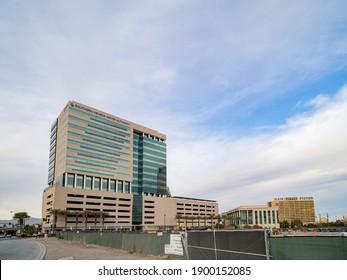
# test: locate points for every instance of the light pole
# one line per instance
(164, 221)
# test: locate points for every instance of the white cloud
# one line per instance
(177, 66)
(305, 157)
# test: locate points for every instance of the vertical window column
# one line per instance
(79, 181)
(70, 180)
(88, 182)
(65, 179)
(104, 184)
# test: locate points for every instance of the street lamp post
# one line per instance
(164, 221)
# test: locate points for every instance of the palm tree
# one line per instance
(103, 216)
(224, 217)
(96, 214)
(237, 221)
(199, 218)
(54, 213)
(178, 218)
(76, 214)
(185, 220)
(66, 213)
(21, 216)
(212, 216)
(205, 220)
(86, 214)
(192, 218)
(219, 219)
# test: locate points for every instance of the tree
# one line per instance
(225, 218)
(192, 218)
(235, 221)
(212, 216)
(178, 218)
(21, 216)
(95, 214)
(296, 223)
(86, 214)
(219, 219)
(76, 214)
(103, 216)
(66, 213)
(284, 224)
(198, 218)
(54, 213)
(185, 221)
(205, 220)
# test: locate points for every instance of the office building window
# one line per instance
(97, 184)
(70, 181)
(127, 187)
(79, 182)
(120, 186)
(88, 182)
(105, 185)
(112, 185)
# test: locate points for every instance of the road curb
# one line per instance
(43, 250)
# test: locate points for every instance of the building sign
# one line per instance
(294, 198)
(97, 113)
(175, 247)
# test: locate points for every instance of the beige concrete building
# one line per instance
(253, 216)
(178, 212)
(107, 172)
(295, 209)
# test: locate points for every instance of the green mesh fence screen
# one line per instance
(308, 248)
(148, 244)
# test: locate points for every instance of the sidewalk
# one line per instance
(59, 249)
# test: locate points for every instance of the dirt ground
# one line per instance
(59, 249)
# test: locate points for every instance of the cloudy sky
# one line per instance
(252, 95)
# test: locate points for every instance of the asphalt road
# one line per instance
(21, 249)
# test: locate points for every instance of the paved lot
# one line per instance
(57, 249)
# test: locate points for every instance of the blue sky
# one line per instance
(251, 95)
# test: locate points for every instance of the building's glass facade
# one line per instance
(149, 170)
(91, 145)
(254, 217)
(52, 152)
(94, 151)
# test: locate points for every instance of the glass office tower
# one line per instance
(94, 156)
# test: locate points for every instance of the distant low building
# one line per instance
(291, 209)
(253, 216)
